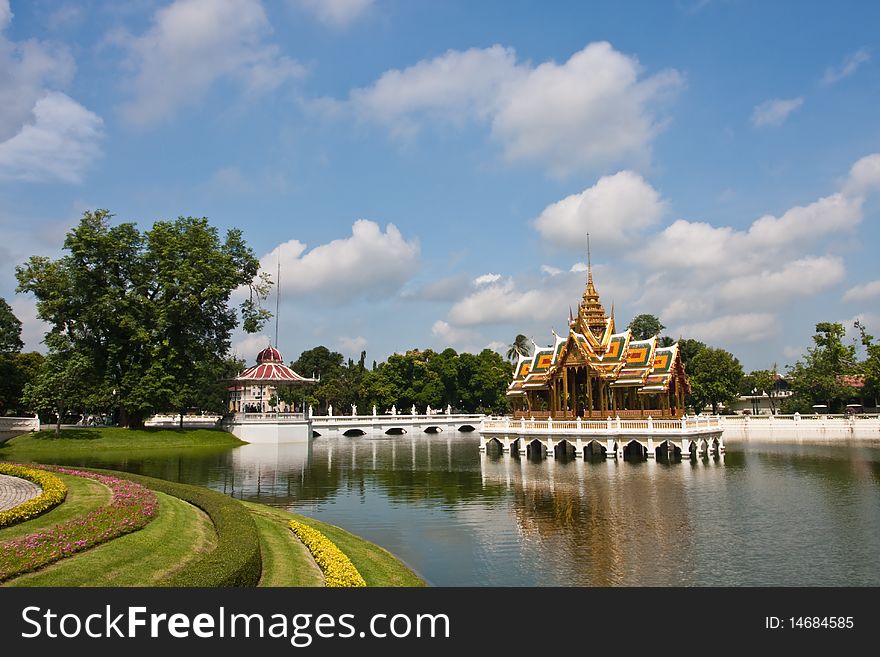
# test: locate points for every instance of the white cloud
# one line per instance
(59, 145)
(249, 346)
(774, 112)
(335, 13)
(849, 66)
(33, 329)
(547, 299)
(370, 264)
(448, 288)
(486, 279)
(44, 134)
(352, 346)
(864, 176)
(579, 266)
(611, 211)
(191, 45)
(593, 111)
(738, 328)
(862, 292)
(802, 277)
(550, 271)
(450, 335)
(497, 345)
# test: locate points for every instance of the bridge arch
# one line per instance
(667, 452)
(433, 429)
(395, 431)
(633, 450)
(594, 451)
(351, 433)
(467, 428)
(536, 449)
(564, 449)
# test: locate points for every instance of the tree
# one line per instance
(62, 382)
(645, 326)
(688, 348)
(519, 347)
(10, 330)
(816, 379)
(760, 383)
(16, 371)
(149, 313)
(715, 376)
(871, 365)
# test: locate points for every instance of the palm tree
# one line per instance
(520, 347)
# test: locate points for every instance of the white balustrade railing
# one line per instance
(693, 424)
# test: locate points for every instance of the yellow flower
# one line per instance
(54, 493)
(337, 567)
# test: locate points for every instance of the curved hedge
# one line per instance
(236, 560)
(54, 493)
(337, 567)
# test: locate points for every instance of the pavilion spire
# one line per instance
(591, 313)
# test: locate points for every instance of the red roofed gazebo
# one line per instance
(251, 389)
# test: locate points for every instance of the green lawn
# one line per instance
(177, 535)
(86, 441)
(377, 565)
(83, 495)
(286, 561)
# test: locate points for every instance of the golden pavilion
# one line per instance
(594, 372)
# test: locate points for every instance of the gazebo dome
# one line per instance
(269, 355)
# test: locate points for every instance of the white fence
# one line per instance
(683, 426)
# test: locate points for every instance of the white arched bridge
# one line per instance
(610, 438)
(360, 425)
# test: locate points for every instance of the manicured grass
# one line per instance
(82, 440)
(83, 495)
(377, 565)
(236, 559)
(180, 534)
(286, 561)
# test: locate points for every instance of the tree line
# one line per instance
(140, 322)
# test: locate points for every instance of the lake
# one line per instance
(761, 514)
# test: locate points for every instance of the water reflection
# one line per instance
(759, 514)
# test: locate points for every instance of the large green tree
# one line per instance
(715, 376)
(816, 378)
(62, 383)
(871, 365)
(148, 312)
(645, 326)
(10, 330)
(760, 383)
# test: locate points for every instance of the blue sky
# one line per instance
(427, 171)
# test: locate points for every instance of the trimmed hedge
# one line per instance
(236, 560)
(54, 493)
(338, 569)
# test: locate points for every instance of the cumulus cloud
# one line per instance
(738, 328)
(594, 110)
(449, 335)
(191, 45)
(335, 13)
(486, 279)
(774, 112)
(369, 264)
(352, 346)
(848, 67)
(863, 292)
(44, 134)
(802, 277)
(547, 299)
(550, 270)
(611, 211)
(33, 329)
(249, 345)
(59, 145)
(864, 176)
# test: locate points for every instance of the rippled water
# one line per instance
(762, 514)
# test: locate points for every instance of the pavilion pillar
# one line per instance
(574, 396)
(565, 392)
(589, 393)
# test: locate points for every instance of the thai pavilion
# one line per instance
(594, 372)
(254, 387)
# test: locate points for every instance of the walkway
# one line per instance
(15, 491)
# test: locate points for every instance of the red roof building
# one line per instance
(254, 387)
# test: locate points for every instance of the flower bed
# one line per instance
(337, 567)
(54, 492)
(131, 508)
